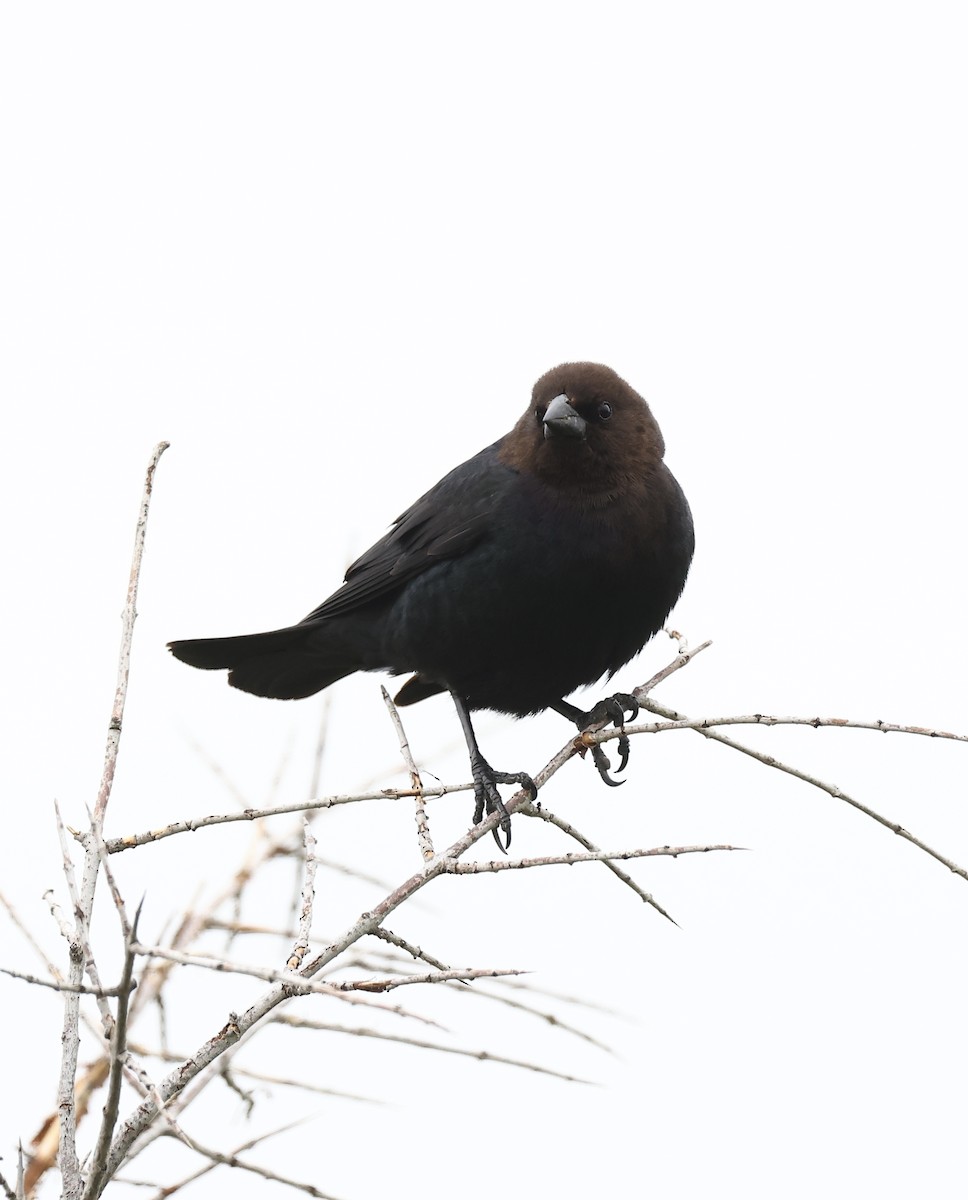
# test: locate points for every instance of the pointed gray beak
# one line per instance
(561, 420)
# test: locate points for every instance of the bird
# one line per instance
(539, 566)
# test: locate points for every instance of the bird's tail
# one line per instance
(284, 664)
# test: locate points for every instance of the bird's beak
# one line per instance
(561, 420)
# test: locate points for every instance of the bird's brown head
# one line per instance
(585, 429)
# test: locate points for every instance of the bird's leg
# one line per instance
(486, 796)
(613, 709)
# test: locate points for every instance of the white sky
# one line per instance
(325, 251)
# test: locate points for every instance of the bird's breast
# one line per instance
(553, 597)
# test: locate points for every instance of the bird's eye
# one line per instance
(604, 412)
(539, 413)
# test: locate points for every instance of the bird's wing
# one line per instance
(455, 515)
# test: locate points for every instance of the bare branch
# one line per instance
(130, 841)
(387, 985)
(215, 1159)
(241, 1025)
(481, 1055)
(701, 723)
(97, 1176)
(295, 983)
(424, 840)
(573, 747)
(59, 986)
(568, 860)
(563, 997)
(306, 913)
(28, 936)
(548, 1018)
(682, 659)
(70, 1036)
(679, 721)
(8, 1191)
(45, 1145)
(545, 814)
(127, 634)
(81, 932)
(79, 946)
(304, 974)
(260, 1077)
(232, 1160)
(415, 952)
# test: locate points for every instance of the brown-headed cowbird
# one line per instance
(539, 565)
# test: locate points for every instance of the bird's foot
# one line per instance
(611, 710)
(488, 799)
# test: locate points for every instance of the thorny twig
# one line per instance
(424, 840)
(97, 1177)
(678, 721)
(212, 1059)
(308, 892)
(70, 1165)
(569, 860)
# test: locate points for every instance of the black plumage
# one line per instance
(539, 565)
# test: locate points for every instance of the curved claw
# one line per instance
(612, 709)
(624, 750)
(504, 826)
(600, 759)
(488, 799)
